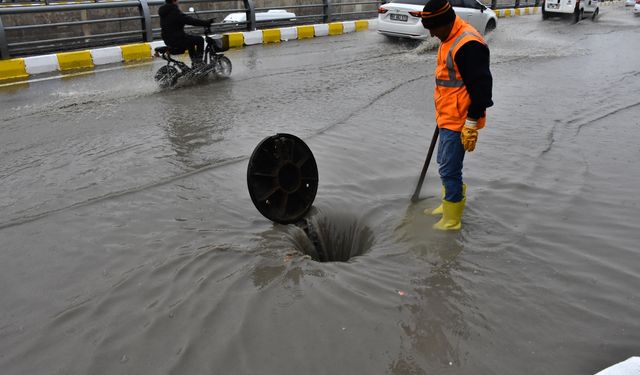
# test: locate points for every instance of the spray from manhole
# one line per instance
(282, 177)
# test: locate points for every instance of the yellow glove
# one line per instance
(469, 135)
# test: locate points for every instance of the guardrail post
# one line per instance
(146, 21)
(326, 11)
(4, 47)
(251, 14)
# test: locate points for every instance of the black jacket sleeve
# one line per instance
(472, 60)
(187, 20)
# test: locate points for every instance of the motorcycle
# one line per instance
(214, 62)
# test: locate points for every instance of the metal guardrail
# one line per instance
(63, 34)
(20, 38)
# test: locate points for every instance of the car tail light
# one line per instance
(381, 10)
(419, 14)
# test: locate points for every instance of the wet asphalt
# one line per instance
(129, 243)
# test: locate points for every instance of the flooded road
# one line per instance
(129, 243)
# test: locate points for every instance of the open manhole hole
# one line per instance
(282, 177)
(334, 237)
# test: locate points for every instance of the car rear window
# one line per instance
(412, 2)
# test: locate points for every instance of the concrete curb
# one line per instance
(20, 69)
(512, 12)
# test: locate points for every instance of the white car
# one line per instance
(629, 3)
(270, 15)
(636, 8)
(399, 18)
(575, 8)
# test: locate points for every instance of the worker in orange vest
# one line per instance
(462, 95)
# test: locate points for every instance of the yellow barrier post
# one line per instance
(362, 25)
(305, 32)
(336, 28)
(271, 36)
(135, 52)
(235, 40)
(12, 69)
(74, 60)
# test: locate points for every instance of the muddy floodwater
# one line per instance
(129, 243)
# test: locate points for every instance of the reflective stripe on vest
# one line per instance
(452, 81)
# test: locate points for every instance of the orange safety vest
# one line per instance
(451, 96)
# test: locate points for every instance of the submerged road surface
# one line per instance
(129, 243)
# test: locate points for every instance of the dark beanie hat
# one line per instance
(437, 13)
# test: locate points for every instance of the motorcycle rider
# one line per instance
(172, 22)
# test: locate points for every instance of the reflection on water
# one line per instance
(185, 131)
(437, 323)
(192, 127)
(415, 230)
(252, 59)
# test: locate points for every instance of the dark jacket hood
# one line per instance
(166, 9)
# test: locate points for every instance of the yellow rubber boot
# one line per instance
(451, 216)
(438, 210)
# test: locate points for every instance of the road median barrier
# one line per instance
(252, 37)
(13, 69)
(108, 55)
(361, 25)
(41, 64)
(136, 52)
(321, 29)
(236, 40)
(75, 60)
(306, 32)
(335, 28)
(512, 12)
(271, 36)
(288, 33)
(348, 27)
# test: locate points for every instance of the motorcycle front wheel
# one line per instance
(222, 67)
(166, 76)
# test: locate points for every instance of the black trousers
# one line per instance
(193, 44)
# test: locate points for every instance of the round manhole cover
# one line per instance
(283, 178)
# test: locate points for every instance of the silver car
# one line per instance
(401, 18)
